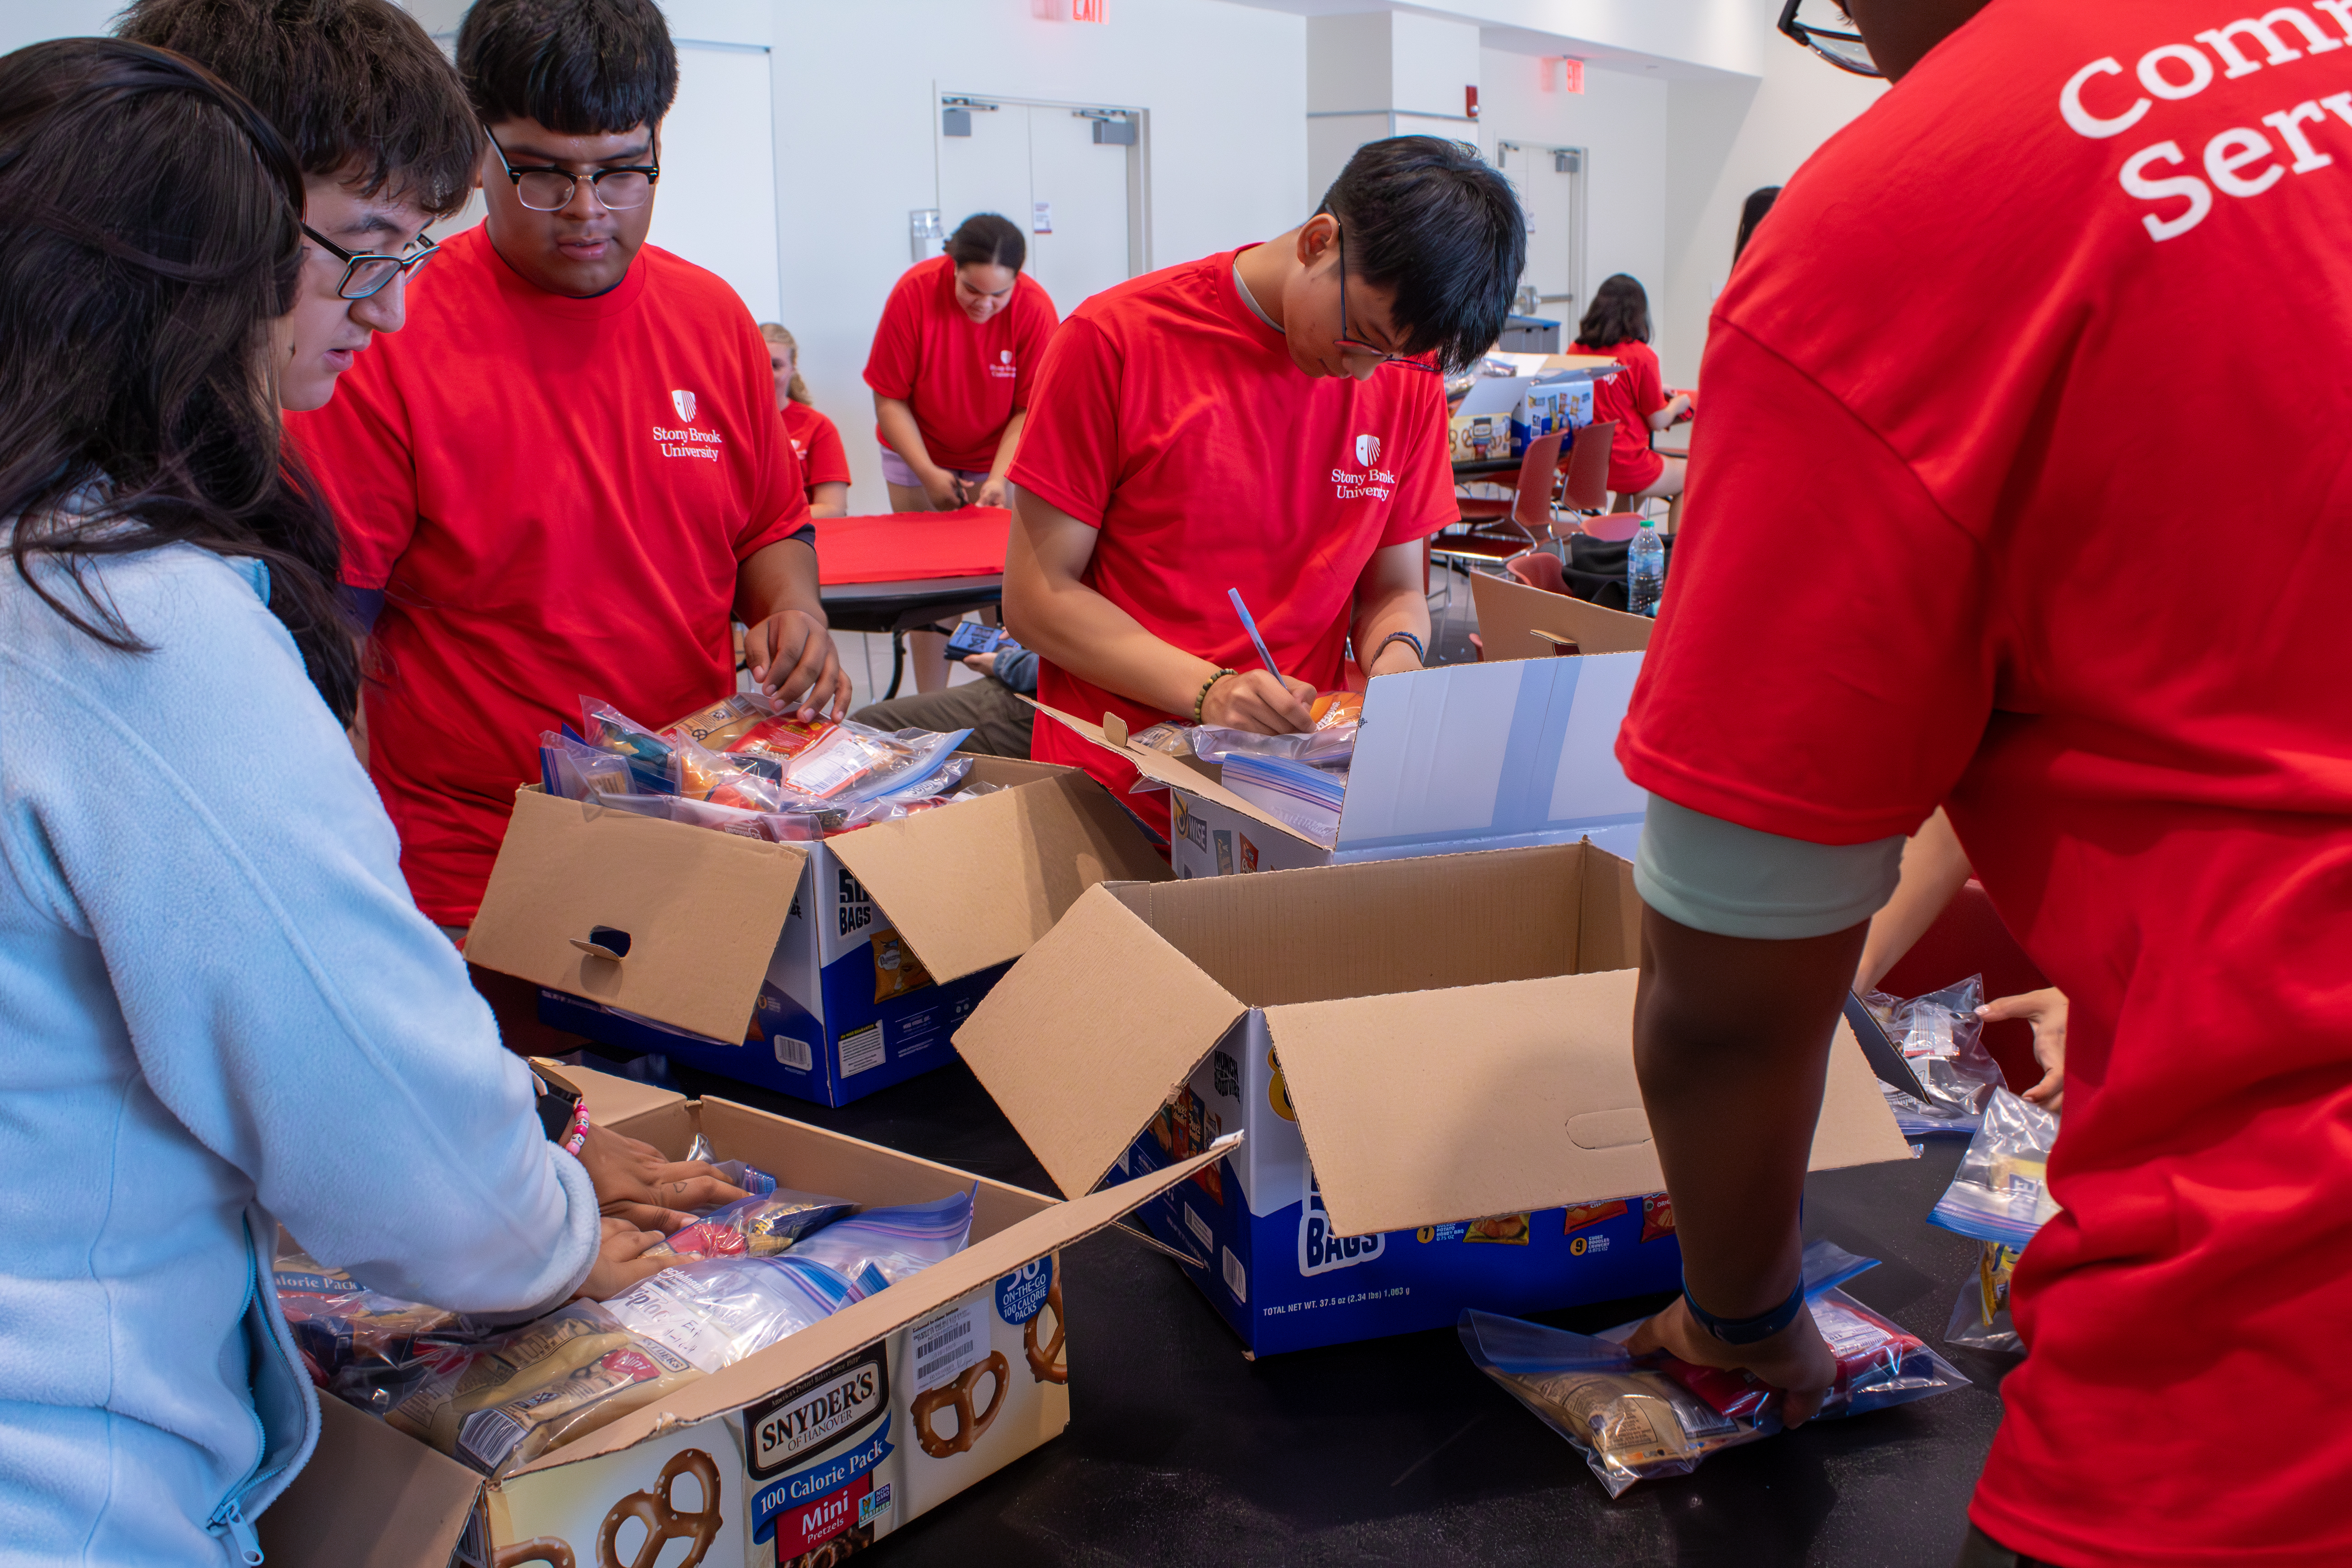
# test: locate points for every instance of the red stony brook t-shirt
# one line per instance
(1630, 399)
(963, 378)
(817, 445)
(1173, 420)
(1950, 537)
(554, 495)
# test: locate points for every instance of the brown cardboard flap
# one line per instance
(1510, 614)
(854, 1326)
(370, 1498)
(975, 885)
(1086, 1038)
(611, 1100)
(1451, 1105)
(1175, 772)
(702, 908)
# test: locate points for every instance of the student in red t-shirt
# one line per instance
(953, 357)
(1618, 324)
(566, 475)
(824, 466)
(1245, 421)
(2150, 772)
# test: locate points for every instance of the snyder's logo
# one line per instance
(1368, 449)
(834, 1405)
(684, 403)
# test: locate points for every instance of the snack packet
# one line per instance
(717, 1311)
(1333, 708)
(1939, 1036)
(758, 1226)
(882, 1247)
(750, 1178)
(575, 770)
(649, 756)
(1981, 1318)
(357, 1343)
(2001, 1190)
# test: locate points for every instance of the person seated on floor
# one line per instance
(825, 464)
(1618, 325)
(991, 707)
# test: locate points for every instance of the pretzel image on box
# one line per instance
(544, 1549)
(1046, 1361)
(663, 1523)
(957, 1395)
(832, 1552)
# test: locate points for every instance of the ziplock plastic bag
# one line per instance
(1323, 748)
(651, 759)
(511, 1399)
(856, 763)
(1941, 1037)
(715, 1312)
(750, 1178)
(882, 1247)
(1981, 1318)
(356, 1342)
(760, 1225)
(2002, 1191)
(576, 771)
(1639, 1417)
(941, 784)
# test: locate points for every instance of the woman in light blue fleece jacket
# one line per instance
(220, 1009)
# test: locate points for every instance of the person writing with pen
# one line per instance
(1269, 420)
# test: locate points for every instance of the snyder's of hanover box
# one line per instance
(1433, 1059)
(1465, 756)
(1516, 621)
(803, 1453)
(825, 970)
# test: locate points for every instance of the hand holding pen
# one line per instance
(1260, 701)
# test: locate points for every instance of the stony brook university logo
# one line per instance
(1003, 368)
(1367, 479)
(1368, 447)
(684, 403)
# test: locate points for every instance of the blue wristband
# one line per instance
(1746, 1330)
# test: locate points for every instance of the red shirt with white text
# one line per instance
(963, 378)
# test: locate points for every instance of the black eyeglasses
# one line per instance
(1847, 52)
(1348, 345)
(546, 189)
(366, 272)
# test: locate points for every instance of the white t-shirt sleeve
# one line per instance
(1718, 877)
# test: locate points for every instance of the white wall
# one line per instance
(856, 111)
(1724, 140)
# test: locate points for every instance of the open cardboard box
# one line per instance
(1516, 621)
(825, 970)
(822, 1437)
(1433, 1059)
(1462, 756)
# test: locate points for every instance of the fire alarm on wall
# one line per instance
(1470, 100)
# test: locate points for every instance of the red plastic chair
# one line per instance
(1586, 486)
(1969, 938)
(1539, 570)
(1488, 536)
(1615, 529)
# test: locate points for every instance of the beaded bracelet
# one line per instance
(1201, 700)
(577, 1138)
(1419, 654)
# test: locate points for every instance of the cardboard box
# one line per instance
(1501, 414)
(825, 970)
(1412, 1047)
(821, 1438)
(1516, 621)
(1462, 756)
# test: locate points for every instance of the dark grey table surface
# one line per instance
(1399, 1451)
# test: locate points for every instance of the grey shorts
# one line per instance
(895, 470)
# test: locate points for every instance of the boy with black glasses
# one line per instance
(1269, 420)
(567, 475)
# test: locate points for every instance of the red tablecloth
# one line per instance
(966, 543)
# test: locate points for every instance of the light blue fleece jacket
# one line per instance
(220, 1011)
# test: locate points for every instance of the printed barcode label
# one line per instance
(487, 1437)
(861, 1049)
(794, 1053)
(1235, 1279)
(1199, 1226)
(947, 1344)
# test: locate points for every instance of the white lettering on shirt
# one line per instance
(686, 441)
(2238, 161)
(1377, 483)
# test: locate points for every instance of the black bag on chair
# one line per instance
(1596, 569)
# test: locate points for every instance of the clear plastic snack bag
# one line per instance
(651, 759)
(357, 1343)
(1941, 1037)
(754, 1181)
(1981, 1318)
(576, 771)
(882, 1247)
(757, 1227)
(1642, 1418)
(717, 1311)
(2001, 1190)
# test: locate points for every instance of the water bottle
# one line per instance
(1646, 571)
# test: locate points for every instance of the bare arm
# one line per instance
(992, 489)
(1935, 868)
(1676, 408)
(830, 499)
(906, 438)
(1048, 607)
(788, 648)
(1389, 598)
(1732, 1040)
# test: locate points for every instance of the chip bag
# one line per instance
(357, 1343)
(757, 1227)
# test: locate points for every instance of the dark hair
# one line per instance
(1751, 213)
(1620, 313)
(581, 67)
(152, 242)
(1427, 218)
(349, 83)
(985, 239)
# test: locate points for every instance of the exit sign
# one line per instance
(1090, 10)
(1571, 74)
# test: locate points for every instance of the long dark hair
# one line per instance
(150, 241)
(1751, 213)
(1620, 313)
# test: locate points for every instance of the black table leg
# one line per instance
(897, 663)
